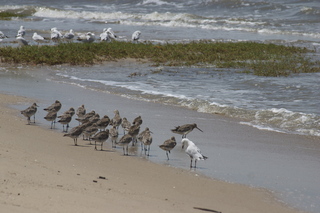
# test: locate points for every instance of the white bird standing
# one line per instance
(193, 151)
(2, 36)
(69, 35)
(112, 35)
(136, 36)
(55, 34)
(22, 41)
(21, 31)
(37, 38)
(104, 35)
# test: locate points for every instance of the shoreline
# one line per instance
(54, 173)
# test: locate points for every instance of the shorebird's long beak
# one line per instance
(199, 129)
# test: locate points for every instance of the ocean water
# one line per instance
(289, 105)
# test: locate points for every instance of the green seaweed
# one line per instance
(256, 58)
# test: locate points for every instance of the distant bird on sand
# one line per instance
(116, 120)
(70, 111)
(81, 111)
(75, 133)
(136, 36)
(185, 129)
(124, 142)
(85, 118)
(55, 107)
(193, 151)
(137, 121)
(51, 116)
(100, 137)
(168, 145)
(113, 132)
(134, 131)
(103, 122)
(30, 111)
(146, 140)
(65, 120)
(125, 124)
(89, 131)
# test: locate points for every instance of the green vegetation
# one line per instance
(257, 58)
(9, 15)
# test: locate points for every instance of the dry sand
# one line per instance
(41, 171)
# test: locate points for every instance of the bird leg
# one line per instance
(95, 145)
(167, 155)
(101, 146)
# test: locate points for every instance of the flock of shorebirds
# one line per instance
(94, 128)
(107, 35)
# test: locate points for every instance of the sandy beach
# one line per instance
(41, 171)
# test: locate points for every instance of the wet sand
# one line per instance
(44, 172)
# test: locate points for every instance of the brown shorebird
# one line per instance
(29, 112)
(68, 112)
(51, 116)
(134, 131)
(89, 131)
(75, 133)
(55, 107)
(124, 142)
(86, 117)
(95, 118)
(81, 111)
(168, 145)
(193, 151)
(137, 121)
(125, 125)
(113, 132)
(100, 137)
(116, 120)
(146, 140)
(185, 129)
(65, 120)
(103, 122)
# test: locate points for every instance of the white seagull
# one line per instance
(2, 36)
(37, 38)
(87, 38)
(136, 36)
(111, 33)
(21, 31)
(105, 35)
(193, 151)
(22, 41)
(69, 35)
(55, 34)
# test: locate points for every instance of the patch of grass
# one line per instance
(257, 58)
(9, 15)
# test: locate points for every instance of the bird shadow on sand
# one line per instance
(105, 150)
(79, 145)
